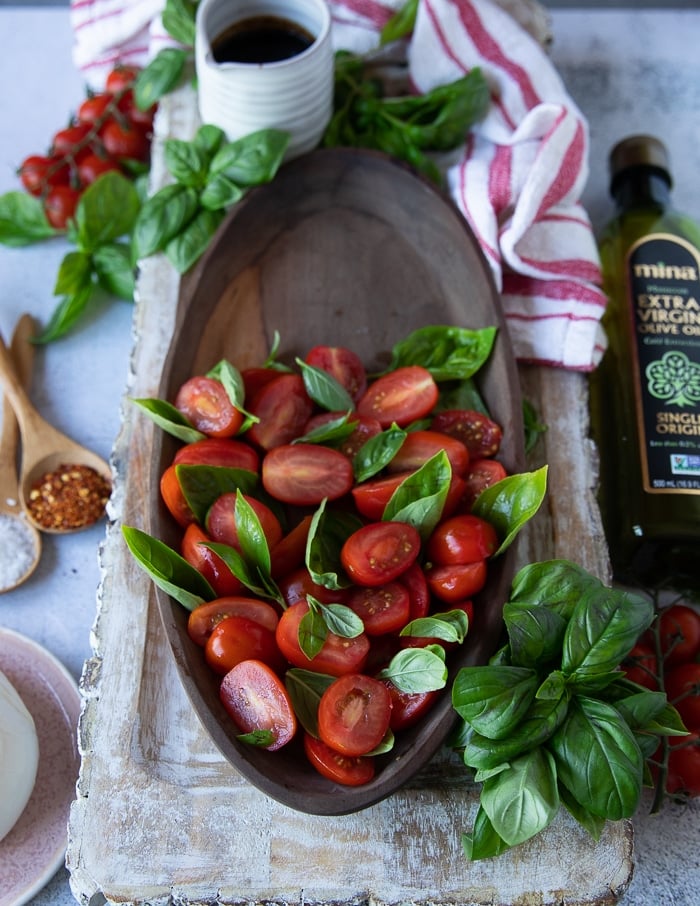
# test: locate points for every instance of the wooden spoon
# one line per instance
(23, 540)
(45, 449)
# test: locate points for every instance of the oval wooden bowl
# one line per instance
(344, 247)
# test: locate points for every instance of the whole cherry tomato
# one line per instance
(93, 166)
(480, 434)
(679, 631)
(125, 140)
(464, 538)
(238, 638)
(38, 173)
(94, 109)
(72, 142)
(60, 204)
(683, 692)
(120, 79)
(684, 765)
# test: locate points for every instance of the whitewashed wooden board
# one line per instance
(161, 818)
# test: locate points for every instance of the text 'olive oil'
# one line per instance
(645, 395)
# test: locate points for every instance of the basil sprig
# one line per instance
(551, 720)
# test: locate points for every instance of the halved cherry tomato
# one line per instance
(288, 554)
(256, 699)
(679, 631)
(306, 474)
(205, 618)
(205, 402)
(379, 552)
(283, 407)
(457, 581)
(236, 639)
(420, 446)
(481, 474)
(221, 520)
(297, 584)
(413, 579)
(336, 767)
(400, 396)
(640, 666)
(371, 497)
(209, 564)
(254, 379)
(337, 657)
(174, 499)
(219, 451)
(683, 692)
(407, 708)
(343, 364)
(354, 714)
(383, 609)
(363, 429)
(464, 538)
(479, 433)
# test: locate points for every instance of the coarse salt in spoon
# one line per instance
(63, 486)
(20, 541)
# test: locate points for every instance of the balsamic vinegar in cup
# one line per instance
(261, 39)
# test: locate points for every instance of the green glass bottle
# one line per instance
(645, 395)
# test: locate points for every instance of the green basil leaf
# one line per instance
(598, 759)
(187, 247)
(219, 193)
(179, 20)
(602, 630)
(510, 503)
(253, 159)
(340, 620)
(522, 800)
(168, 570)
(251, 537)
(553, 688)
(401, 24)
(461, 395)
(305, 688)
(263, 739)
(106, 210)
(386, 745)
(170, 419)
(234, 386)
(201, 485)
(159, 77)
(312, 633)
(558, 584)
(332, 432)
(535, 633)
(65, 315)
(209, 138)
(74, 274)
(329, 530)
(449, 353)
(420, 498)
(23, 220)
(483, 842)
(417, 670)
(377, 452)
(451, 626)
(115, 270)
(186, 162)
(246, 572)
(538, 725)
(649, 712)
(324, 389)
(162, 217)
(532, 425)
(494, 699)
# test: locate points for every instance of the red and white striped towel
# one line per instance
(518, 180)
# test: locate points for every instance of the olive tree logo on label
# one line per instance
(675, 379)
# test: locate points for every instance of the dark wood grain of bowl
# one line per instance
(344, 247)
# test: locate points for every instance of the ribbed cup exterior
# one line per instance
(295, 95)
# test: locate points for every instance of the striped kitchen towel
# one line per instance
(518, 180)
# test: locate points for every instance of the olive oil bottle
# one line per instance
(645, 395)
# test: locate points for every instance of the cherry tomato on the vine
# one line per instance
(684, 765)
(679, 632)
(641, 667)
(38, 173)
(683, 692)
(94, 109)
(125, 140)
(60, 204)
(72, 141)
(120, 79)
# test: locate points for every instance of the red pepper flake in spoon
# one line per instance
(70, 497)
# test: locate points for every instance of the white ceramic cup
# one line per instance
(294, 94)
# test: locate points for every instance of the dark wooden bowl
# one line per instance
(343, 247)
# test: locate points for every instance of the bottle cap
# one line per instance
(639, 151)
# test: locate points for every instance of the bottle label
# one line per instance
(664, 284)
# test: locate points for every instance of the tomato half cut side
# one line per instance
(481, 474)
(385, 609)
(238, 638)
(379, 552)
(205, 402)
(371, 497)
(336, 767)
(480, 434)
(337, 657)
(283, 407)
(305, 474)
(400, 396)
(354, 714)
(219, 451)
(205, 618)
(343, 364)
(193, 548)
(256, 699)
(414, 581)
(420, 446)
